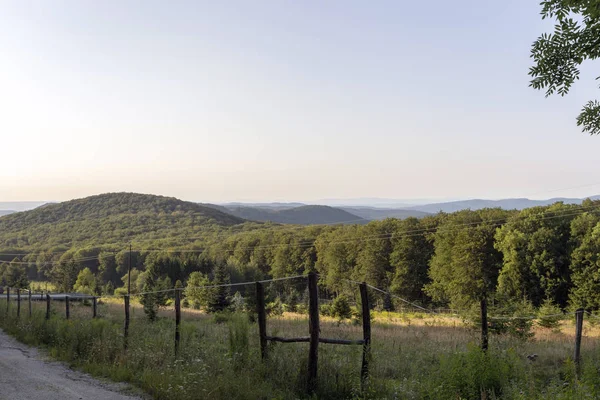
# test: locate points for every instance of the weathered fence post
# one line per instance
(313, 328)
(29, 300)
(126, 327)
(18, 303)
(94, 305)
(47, 306)
(578, 333)
(366, 322)
(7, 299)
(262, 318)
(177, 318)
(67, 310)
(484, 325)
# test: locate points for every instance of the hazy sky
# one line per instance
(284, 100)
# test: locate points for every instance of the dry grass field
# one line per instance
(414, 356)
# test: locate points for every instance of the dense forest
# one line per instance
(548, 254)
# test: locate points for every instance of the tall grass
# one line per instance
(413, 358)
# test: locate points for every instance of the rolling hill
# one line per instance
(303, 215)
(507, 204)
(110, 218)
(371, 214)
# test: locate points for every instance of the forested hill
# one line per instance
(304, 215)
(109, 218)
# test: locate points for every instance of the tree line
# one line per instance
(540, 255)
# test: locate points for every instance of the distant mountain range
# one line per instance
(299, 213)
(507, 204)
(305, 214)
(302, 215)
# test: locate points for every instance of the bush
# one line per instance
(325, 309)
(340, 308)
(275, 307)
(549, 315)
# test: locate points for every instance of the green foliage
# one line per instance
(217, 300)
(14, 275)
(194, 292)
(472, 375)
(340, 308)
(535, 246)
(86, 282)
(514, 319)
(557, 56)
(549, 315)
(465, 265)
(274, 308)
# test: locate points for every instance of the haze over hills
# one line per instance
(303, 215)
(507, 204)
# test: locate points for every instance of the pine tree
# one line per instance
(218, 297)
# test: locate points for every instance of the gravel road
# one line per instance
(26, 374)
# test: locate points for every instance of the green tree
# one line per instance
(465, 264)
(340, 308)
(194, 292)
(585, 263)
(149, 297)
(535, 244)
(217, 300)
(412, 250)
(86, 282)
(557, 56)
(15, 275)
(64, 275)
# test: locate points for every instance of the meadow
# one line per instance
(414, 356)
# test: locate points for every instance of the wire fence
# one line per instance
(19, 296)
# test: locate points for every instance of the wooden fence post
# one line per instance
(29, 300)
(578, 333)
(177, 318)
(126, 327)
(484, 325)
(366, 322)
(7, 299)
(262, 318)
(47, 306)
(94, 305)
(313, 327)
(18, 303)
(67, 310)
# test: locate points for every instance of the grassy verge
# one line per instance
(414, 357)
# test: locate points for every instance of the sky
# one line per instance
(284, 101)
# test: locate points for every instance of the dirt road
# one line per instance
(26, 374)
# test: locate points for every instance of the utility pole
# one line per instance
(129, 273)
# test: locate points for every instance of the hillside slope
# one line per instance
(109, 218)
(304, 215)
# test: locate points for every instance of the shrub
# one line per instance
(340, 308)
(549, 315)
(325, 309)
(275, 307)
